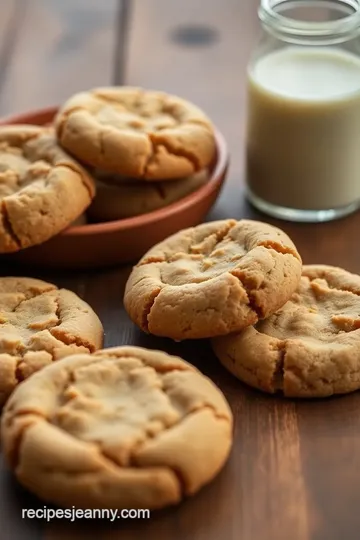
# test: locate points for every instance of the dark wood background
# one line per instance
(294, 472)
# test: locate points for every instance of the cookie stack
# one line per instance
(274, 324)
(112, 153)
(145, 149)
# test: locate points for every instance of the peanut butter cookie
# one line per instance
(308, 348)
(213, 279)
(40, 323)
(122, 428)
(126, 198)
(136, 133)
(42, 190)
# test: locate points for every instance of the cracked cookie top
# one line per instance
(213, 279)
(40, 323)
(123, 428)
(136, 133)
(42, 189)
(310, 347)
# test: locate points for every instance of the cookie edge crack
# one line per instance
(8, 227)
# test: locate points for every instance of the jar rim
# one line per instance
(338, 27)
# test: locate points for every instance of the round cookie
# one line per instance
(40, 323)
(136, 133)
(310, 347)
(128, 198)
(123, 428)
(213, 279)
(42, 190)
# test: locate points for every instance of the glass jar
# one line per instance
(303, 125)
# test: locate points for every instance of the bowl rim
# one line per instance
(217, 177)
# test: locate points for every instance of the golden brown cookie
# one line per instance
(128, 197)
(308, 348)
(42, 190)
(213, 279)
(40, 323)
(122, 428)
(136, 133)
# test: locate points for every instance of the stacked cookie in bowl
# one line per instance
(145, 149)
(118, 197)
(108, 154)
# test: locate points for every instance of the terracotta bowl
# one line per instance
(126, 240)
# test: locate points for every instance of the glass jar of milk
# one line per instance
(303, 126)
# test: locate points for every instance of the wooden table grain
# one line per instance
(294, 472)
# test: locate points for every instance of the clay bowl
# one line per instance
(123, 241)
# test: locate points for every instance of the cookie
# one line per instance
(136, 133)
(42, 190)
(308, 348)
(122, 428)
(213, 279)
(40, 323)
(127, 198)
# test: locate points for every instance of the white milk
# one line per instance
(303, 142)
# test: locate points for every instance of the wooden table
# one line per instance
(294, 472)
